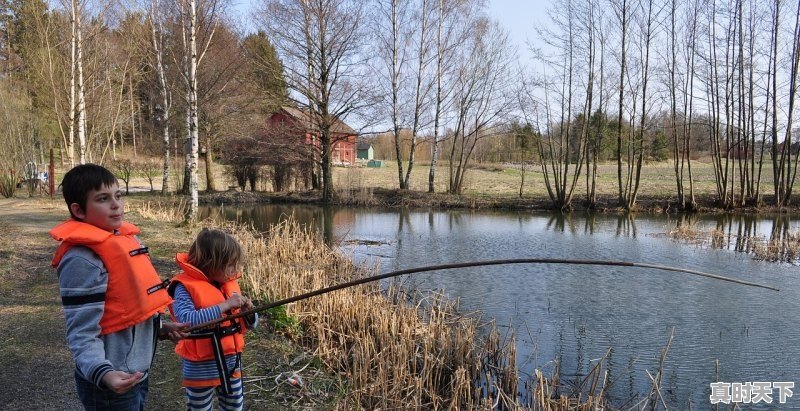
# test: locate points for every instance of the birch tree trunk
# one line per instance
(157, 33)
(192, 135)
(70, 141)
(437, 114)
(419, 93)
(81, 97)
(395, 89)
(623, 10)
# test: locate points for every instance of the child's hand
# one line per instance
(248, 304)
(120, 381)
(234, 301)
(174, 331)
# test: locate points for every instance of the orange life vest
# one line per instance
(205, 294)
(134, 292)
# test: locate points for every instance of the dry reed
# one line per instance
(168, 209)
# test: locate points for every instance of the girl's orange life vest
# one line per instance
(134, 292)
(206, 294)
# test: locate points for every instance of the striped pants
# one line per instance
(202, 398)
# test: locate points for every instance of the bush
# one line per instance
(8, 183)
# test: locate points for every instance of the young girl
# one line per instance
(207, 290)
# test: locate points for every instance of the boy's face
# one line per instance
(104, 208)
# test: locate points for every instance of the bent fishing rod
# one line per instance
(325, 290)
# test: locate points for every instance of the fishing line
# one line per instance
(325, 290)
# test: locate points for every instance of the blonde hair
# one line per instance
(213, 250)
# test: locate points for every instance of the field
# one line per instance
(503, 181)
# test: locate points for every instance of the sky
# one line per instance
(519, 17)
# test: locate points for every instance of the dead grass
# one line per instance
(495, 180)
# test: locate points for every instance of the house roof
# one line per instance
(363, 145)
(302, 116)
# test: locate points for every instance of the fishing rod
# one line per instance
(325, 290)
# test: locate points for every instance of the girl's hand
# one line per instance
(248, 304)
(234, 301)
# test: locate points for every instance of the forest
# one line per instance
(154, 86)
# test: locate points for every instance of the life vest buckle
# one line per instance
(143, 250)
(162, 285)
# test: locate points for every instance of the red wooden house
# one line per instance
(297, 122)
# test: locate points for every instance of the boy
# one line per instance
(111, 294)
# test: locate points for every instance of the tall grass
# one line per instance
(168, 209)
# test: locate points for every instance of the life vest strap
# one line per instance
(142, 250)
(225, 375)
(217, 331)
(162, 285)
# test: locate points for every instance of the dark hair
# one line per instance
(81, 179)
(213, 250)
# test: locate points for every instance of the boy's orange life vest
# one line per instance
(134, 292)
(205, 294)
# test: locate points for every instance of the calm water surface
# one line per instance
(575, 314)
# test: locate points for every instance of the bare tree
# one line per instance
(392, 34)
(648, 35)
(192, 29)
(320, 42)
(563, 145)
(403, 31)
(454, 22)
(621, 10)
(482, 95)
(794, 77)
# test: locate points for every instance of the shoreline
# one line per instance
(395, 198)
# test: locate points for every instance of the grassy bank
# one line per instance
(490, 186)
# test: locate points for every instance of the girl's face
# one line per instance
(226, 274)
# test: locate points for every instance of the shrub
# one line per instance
(8, 183)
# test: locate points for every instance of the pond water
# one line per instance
(574, 314)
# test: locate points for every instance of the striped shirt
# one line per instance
(202, 373)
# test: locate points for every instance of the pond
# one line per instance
(574, 314)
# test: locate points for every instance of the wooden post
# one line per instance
(51, 174)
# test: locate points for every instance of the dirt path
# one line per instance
(37, 366)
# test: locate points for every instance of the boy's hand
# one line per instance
(120, 381)
(174, 331)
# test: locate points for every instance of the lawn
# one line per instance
(502, 181)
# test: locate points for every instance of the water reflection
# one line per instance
(771, 238)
